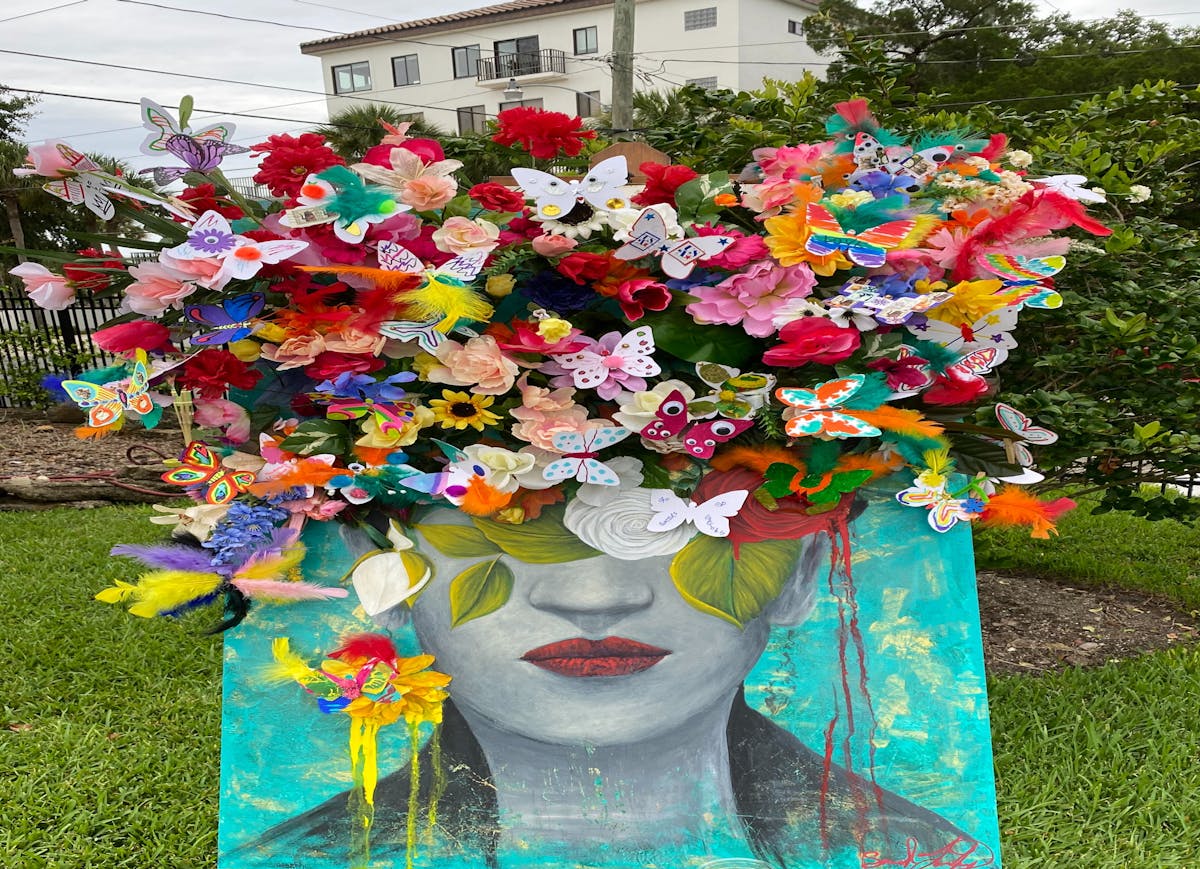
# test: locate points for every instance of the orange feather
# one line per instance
(899, 420)
(756, 458)
(384, 279)
(1014, 506)
(482, 499)
(878, 465)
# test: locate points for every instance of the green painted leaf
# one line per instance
(545, 540)
(480, 589)
(736, 590)
(458, 541)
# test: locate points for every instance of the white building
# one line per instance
(453, 69)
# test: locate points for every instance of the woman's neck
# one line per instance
(670, 788)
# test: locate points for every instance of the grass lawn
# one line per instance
(109, 724)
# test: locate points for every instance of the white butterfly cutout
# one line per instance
(462, 269)
(211, 237)
(632, 355)
(579, 460)
(555, 197)
(1020, 424)
(649, 236)
(711, 517)
(1071, 186)
(991, 331)
(886, 309)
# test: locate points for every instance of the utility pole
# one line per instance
(622, 67)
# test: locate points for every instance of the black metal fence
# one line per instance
(35, 342)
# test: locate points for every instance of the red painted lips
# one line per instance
(611, 656)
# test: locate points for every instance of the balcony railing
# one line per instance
(505, 66)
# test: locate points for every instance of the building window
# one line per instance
(708, 82)
(352, 77)
(700, 19)
(516, 104)
(587, 104)
(796, 28)
(471, 119)
(521, 56)
(466, 61)
(405, 70)
(586, 40)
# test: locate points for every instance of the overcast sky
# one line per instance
(263, 58)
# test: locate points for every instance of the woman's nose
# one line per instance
(594, 594)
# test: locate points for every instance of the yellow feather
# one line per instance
(450, 302)
(274, 566)
(925, 224)
(165, 590)
(288, 665)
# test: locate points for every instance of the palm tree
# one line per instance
(352, 131)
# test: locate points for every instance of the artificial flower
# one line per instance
(812, 340)
(46, 289)
(290, 160)
(752, 298)
(461, 235)
(479, 363)
(641, 295)
(553, 245)
(661, 183)
(459, 410)
(543, 134)
(155, 288)
(213, 371)
(583, 267)
(497, 197)
(137, 334)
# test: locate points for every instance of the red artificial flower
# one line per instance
(127, 337)
(662, 182)
(787, 520)
(954, 390)
(640, 295)
(330, 364)
(427, 149)
(214, 370)
(203, 197)
(497, 197)
(291, 159)
(812, 339)
(583, 267)
(903, 373)
(521, 336)
(87, 275)
(543, 134)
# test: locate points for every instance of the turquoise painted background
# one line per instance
(917, 615)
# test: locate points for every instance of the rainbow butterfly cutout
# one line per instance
(945, 511)
(819, 412)
(390, 417)
(106, 404)
(232, 320)
(699, 439)
(199, 466)
(867, 248)
(1025, 278)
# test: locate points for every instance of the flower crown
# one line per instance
(722, 353)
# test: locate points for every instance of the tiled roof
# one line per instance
(450, 21)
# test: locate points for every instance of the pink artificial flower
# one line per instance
(735, 257)
(461, 235)
(46, 160)
(544, 414)
(205, 271)
(813, 339)
(155, 289)
(330, 364)
(791, 162)
(480, 364)
(553, 245)
(351, 340)
(226, 415)
(46, 289)
(125, 338)
(752, 297)
(429, 192)
(295, 352)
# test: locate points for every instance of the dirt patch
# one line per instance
(1034, 625)
(1030, 625)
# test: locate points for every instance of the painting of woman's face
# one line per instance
(534, 666)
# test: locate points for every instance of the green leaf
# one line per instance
(737, 590)
(458, 541)
(1147, 431)
(318, 436)
(459, 206)
(544, 540)
(480, 589)
(677, 333)
(185, 110)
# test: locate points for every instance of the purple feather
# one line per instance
(168, 557)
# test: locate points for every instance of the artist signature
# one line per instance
(962, 853)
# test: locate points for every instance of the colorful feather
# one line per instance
(755, 458)
(365, 647)
(900, 421)
(288, 665)
(283, 591)
(1013, 506)
(168, 591)
(270, 564)
(186, 558)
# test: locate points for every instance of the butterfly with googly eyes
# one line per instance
(699, 439)
(555, 197)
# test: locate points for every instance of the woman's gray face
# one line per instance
(569, 697)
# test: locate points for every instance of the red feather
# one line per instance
(365, 647)
(857, 116)
(995, 147)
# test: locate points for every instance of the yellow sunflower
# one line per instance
(458, 410)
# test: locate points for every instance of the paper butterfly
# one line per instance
(340, 197)
(1026, 278)
(632, 355)
(106, 404)
(87, 188)
(867, 248)
(579, 459)
(891, 310)
(944, 511)
(211, 237)
(390, 417)
(992, 331)
(452, 483)
(555, 197)
(818, 410)
(711, 518)
(202, 151)
(701, 438)
(232, 320)
(737, 395)
(1071, 186)
(679, 256)
(459, 271)
(200, 467)
(1018, 423)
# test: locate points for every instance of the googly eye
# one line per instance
(673, 408)
(940, 157)
(723, 429)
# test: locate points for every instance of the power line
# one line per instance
(42, 11)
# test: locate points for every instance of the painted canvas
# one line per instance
(598, 719)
